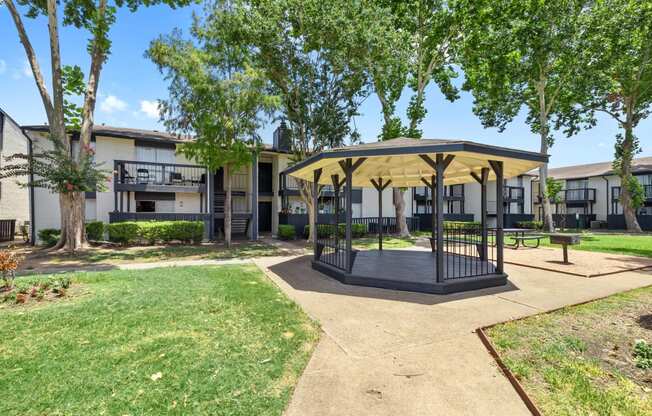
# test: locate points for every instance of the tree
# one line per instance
(616, 79)
(518, 54)
(215, 94)
(75, 171)
(298, 46)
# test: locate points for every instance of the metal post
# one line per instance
(483, 211)
(433, 214)
(380, 214)
(336, 189)
(497, 166)
(210, 201)
(254, 198)
(315, 209)
(349, 212)
(440, 217)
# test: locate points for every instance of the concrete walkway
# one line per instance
(399, 353)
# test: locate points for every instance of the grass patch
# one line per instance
(149, 254)
(192, 340)
(635, 245)
(581, 360)
(371, 243)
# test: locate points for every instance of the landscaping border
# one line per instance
(529, 403)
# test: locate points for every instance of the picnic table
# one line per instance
(520, 236)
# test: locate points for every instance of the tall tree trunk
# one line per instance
(399, 207)
(548, 223)
(72, 220)
(629, 211)
(306, 191)
(227, 205)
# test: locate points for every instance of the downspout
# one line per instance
(32, 228)
(607, 195)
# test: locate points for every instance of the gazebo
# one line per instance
(463, 256)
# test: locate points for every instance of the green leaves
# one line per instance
(215, 92)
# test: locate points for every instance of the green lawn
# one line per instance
(371, 243)
(636, 245)
(580, 360)
(117, 255)
(193, 340)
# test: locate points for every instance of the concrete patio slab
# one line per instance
(387, 352)
(582, 263)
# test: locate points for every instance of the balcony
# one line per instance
(158, 177)
(451, 193)
(513, 193)
(578, 195)
(647, 191)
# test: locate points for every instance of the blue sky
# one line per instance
(130, 85)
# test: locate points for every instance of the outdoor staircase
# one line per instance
(239, 225)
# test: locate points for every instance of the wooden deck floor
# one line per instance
(414, 270)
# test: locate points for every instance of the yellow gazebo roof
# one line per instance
(402, 161)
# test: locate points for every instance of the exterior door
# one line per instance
(264, 216)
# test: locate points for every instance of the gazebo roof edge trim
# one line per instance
(422, 149)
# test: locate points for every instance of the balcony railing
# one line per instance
(451, 193)
(578, 195)
(647, 191)
(158, 177)
(513, 193)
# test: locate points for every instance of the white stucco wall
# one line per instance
(370, 202)
(14, 199)
(108, 149)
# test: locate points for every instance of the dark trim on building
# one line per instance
(155, 196)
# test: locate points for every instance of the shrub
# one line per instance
(49, 236)
(323, 230)
(286, 232)
(123, 232)
(462, 224)
(9, 262)
(95, 230)
(537, 225)
(152, 232)
(643, 354)
(186, 231)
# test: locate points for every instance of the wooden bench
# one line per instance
(520, 240)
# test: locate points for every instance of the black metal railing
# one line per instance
(157, 216)
(331, 246)
(390, 225)
(468, 252)
(451, 193)
(513, 193)
(150, 173)
(615, 194)
(578, 195)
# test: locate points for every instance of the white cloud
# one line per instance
(112, 103)
(3, 66)
(27, 69)
(149, 108)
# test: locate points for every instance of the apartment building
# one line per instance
(152, 180)
(14, 198)
(591, 193)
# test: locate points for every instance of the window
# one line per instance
(145, 206)
(577, 184)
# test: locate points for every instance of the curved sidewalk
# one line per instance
(398, 353)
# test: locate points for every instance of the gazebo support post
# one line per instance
(380, 188)
(482, 180)
(348, 213)
(315, 209)
(439, 187)
(439, 165)
(380, 214)
(336, 189)
(497, 167)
